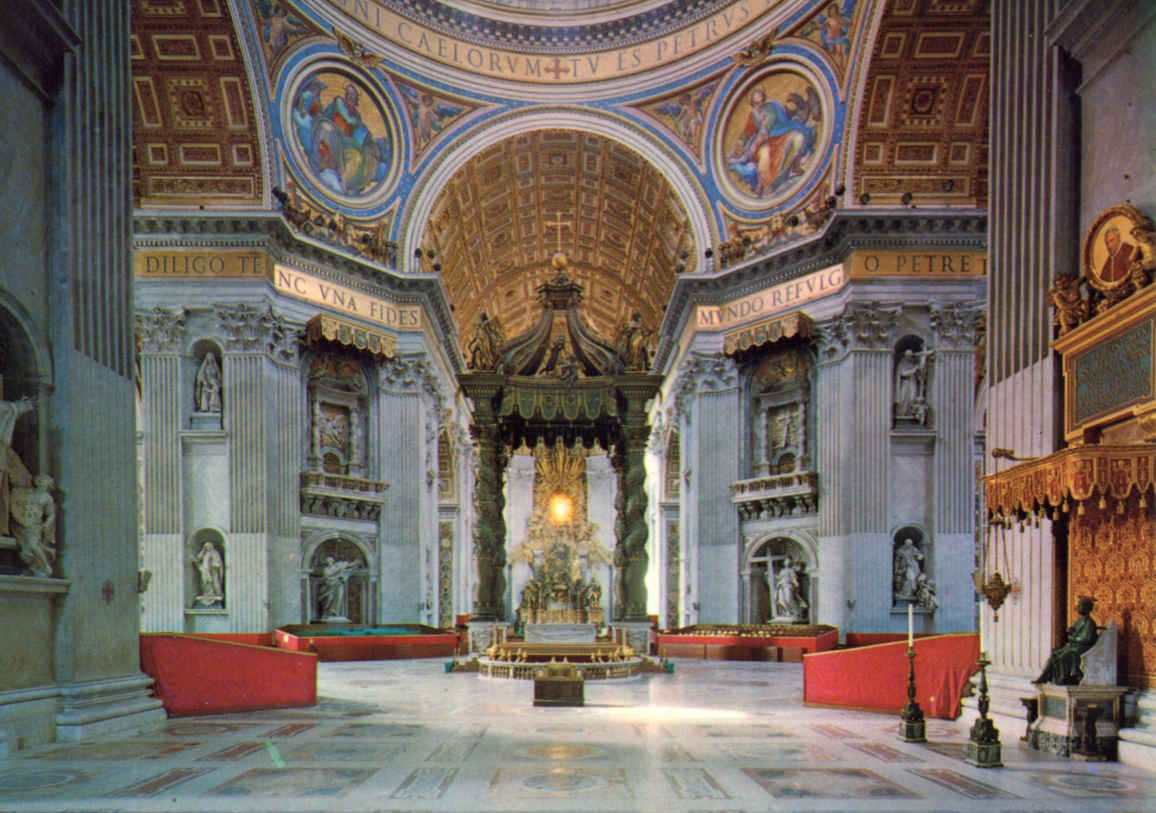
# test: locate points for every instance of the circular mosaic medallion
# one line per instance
(561, 780)
(38, 780)
(341, 135)
(775, 130)
(560, 751)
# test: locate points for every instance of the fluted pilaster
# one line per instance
(245, 399)
(160, 391)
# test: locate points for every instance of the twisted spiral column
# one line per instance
(490, 525)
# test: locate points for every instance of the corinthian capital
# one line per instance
(957, 326)
(161, 330)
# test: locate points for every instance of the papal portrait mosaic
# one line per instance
(1113, 246)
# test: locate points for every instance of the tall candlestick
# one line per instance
(981, 628)
(910, 626)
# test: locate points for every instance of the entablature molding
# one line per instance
(847, 232)
(268, 233)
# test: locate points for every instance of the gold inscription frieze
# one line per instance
(871, 264)
(777, 298)
(169, 263)
(613, 63)
(346, 300)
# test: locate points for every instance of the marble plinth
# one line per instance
(560, 633)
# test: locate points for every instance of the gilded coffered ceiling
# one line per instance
(194, 129)
(503, 215)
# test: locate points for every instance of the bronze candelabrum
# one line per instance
(912, 726)
(984, 749)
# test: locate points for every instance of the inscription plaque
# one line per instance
(1114, 374)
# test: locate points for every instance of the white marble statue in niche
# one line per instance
(911, 377)
(789, 604)
(207, 389)
(909, 567)
(34, 522)
(925, 593)
(13, 473)
(210, 576)
(334, 589)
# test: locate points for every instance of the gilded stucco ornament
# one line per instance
(1118, 257)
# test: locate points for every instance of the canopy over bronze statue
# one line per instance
(1063, 667)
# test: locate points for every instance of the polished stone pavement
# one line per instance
(403, 735)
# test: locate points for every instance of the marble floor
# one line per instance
(405, 736)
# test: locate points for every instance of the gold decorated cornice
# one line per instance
(351, 335)
(1072, 475)
(769, 331)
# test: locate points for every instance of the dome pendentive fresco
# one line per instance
(342, 141)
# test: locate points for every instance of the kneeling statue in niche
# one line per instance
(1063, 667)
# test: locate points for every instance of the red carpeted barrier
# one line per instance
(874, 678)
(196, 675)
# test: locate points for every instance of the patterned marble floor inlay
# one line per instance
(458, 751)
(560, 751)
(161, 782)
(833, 731)
(1089, 785)
(971, 788)
(822, 783)
(407, 737)
(558, 781)
(291, 730)
(277, 782)
(694, 783)
(776, 752)
(115, 750)
(426, 783)
(345, 751)
(378, 730)
(883, 752)
(23, 781)
(235, 752)
(199, 728)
